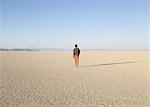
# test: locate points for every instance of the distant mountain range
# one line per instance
(32, 49)
(17, 49)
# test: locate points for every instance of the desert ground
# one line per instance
(49, 79)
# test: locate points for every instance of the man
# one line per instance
(76, 53)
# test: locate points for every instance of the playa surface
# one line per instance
(49, 79)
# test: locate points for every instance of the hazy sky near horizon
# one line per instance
(103, 24)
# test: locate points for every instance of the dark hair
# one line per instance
(76, 45)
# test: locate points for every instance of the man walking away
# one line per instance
(76, 53)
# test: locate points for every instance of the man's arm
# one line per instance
(79, 51)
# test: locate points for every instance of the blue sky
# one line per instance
(103, 24)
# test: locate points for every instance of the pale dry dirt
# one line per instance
(49, 79)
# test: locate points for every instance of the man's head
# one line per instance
(76, 45)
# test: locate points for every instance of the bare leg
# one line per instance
(76, 64)
(76, 61)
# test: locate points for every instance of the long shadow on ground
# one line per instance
(105, 64)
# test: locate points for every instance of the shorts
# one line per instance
(76, 58)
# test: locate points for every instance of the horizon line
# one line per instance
(61, 49)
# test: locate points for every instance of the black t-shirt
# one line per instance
(76, 51)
